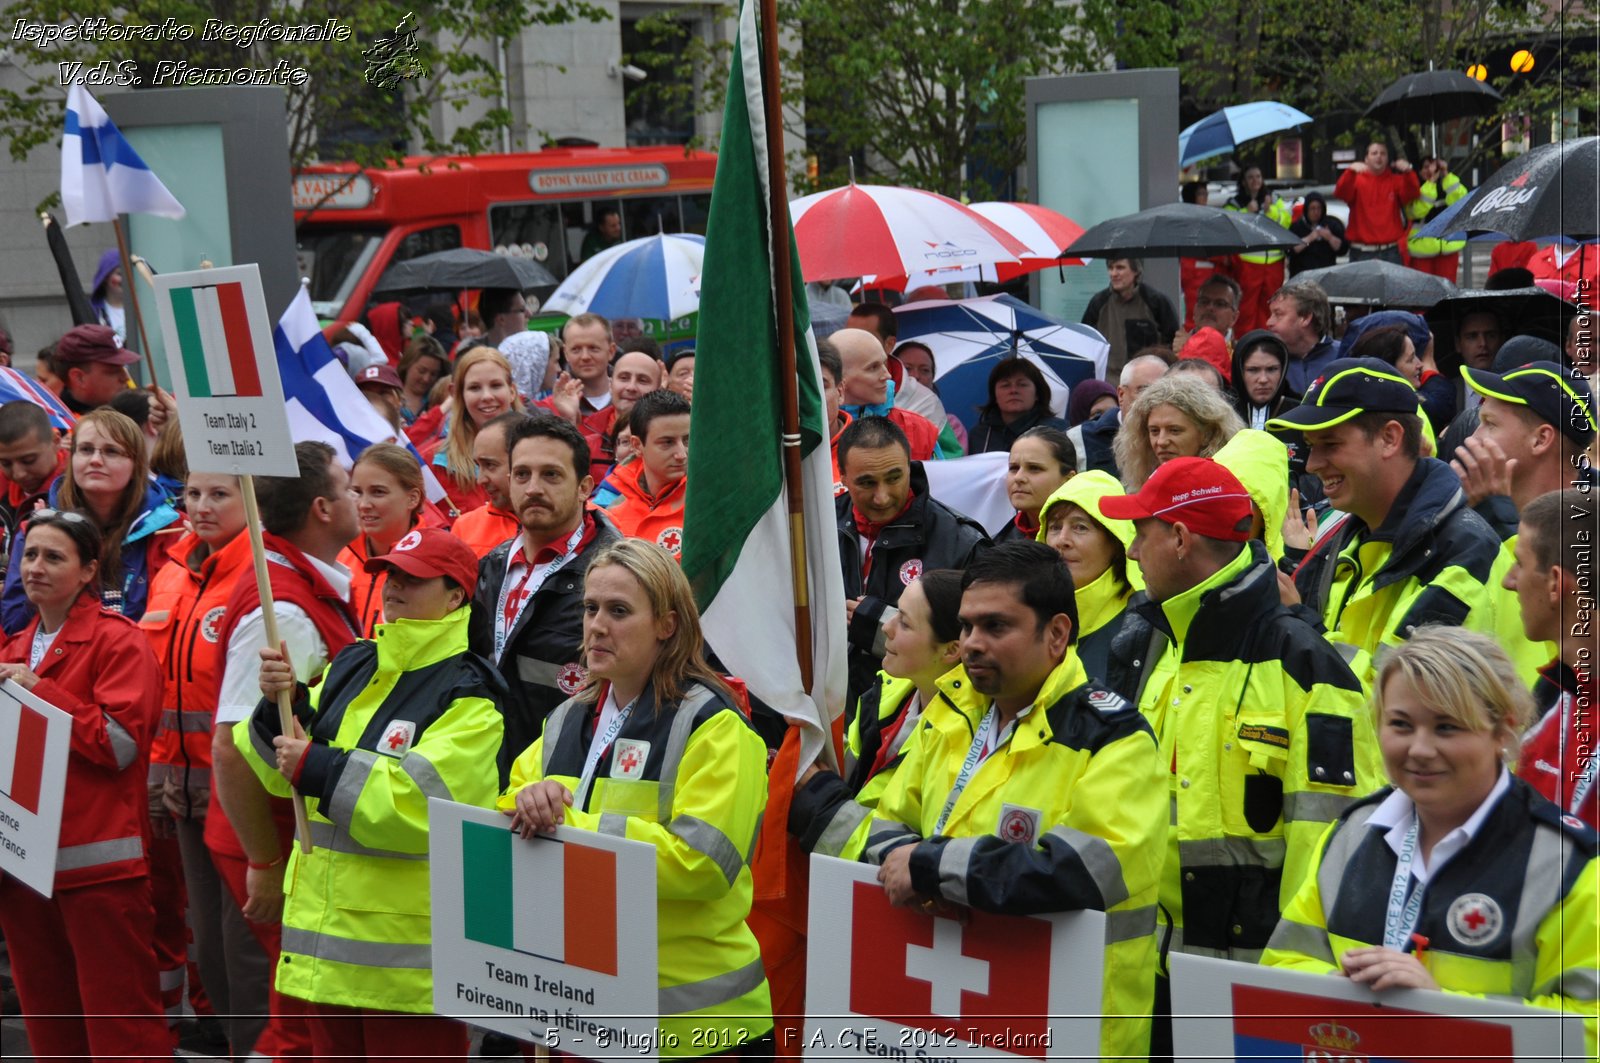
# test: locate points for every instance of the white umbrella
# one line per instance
(656, 277)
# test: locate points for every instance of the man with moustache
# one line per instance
(532, 586)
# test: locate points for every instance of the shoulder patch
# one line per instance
(1107, 701)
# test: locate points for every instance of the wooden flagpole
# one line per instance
(129, 289)
(788, 375)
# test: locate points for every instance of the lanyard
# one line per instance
(975, 757)
(597, 749)
(41, 642)
(1405, 904)
(522, 594)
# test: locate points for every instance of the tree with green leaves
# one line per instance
(366, 95)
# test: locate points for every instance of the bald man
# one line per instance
(864, 389)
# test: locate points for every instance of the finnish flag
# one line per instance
(101, 175)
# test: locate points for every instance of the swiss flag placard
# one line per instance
(982, 986)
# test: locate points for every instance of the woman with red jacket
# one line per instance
(183, 624)
(390, 500)
(82, 960)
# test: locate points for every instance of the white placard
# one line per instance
(224, 370)
(34, 740)
(549, 940)
(896, 982)
(1227, 1010)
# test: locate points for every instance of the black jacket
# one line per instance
(1094, 439)
(927, 536)
(1141, 333)
(992, 433)
(540, 660)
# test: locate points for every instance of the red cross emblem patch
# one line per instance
(910, 570)
(671, 541)
(211, 623)
(1475, 919)
(628, 757)
(1018, 825)
(571, 677)
(410, 541)
(397, 738)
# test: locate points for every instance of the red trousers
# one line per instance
(1258, 283)
(287, 1035)
(361, 1033)
(1446, 266)
(170, 901)
(86, 972)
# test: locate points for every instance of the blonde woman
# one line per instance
(481, 390)
(1178, 416)
(1459, 877)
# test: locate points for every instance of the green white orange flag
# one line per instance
(736, 523)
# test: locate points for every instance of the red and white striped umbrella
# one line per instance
(1044, 231)
(864, 230)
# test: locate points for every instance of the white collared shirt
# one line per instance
(1394, 816)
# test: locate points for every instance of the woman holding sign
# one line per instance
(83, 961)
(1460, 877)
(652, 749)
(407, 715)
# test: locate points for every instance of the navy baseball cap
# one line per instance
(1554, 394)
(1349, 387)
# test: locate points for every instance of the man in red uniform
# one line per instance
(492, 523)
(653, 487)
(1377, 194)
(307, 520)
(1551, 581)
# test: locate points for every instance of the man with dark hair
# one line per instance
(505, 321)
(1378, 194)
(1553, 579)
(607, 232)
(1409, 551)
(654, 486)
(307, 519)
(1263, 724)
(877, 319)
(830, 369)
(1130, 314)
(1301, 317)
(890, 532)
(1216, 305)
(1031, 788)
(532, 586)
(31, 459)
(494, 522)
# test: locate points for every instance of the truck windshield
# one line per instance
(335, 258)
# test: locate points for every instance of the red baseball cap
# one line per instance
(429, 552)
(1206, 497)
(380, 376)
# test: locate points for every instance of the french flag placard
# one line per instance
(34, 741)
(575, 918)
(22, 770)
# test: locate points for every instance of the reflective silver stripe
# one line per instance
(1130, 925)
(336, 839)
(363, 953)
(533, 670)
(95, 854)
(1315, 806)
(187, 721)
(954, 859)
(677, 742)
(552, 732)
(1541, 895)
(123, 746)
(841, 828)
(1172, 811)
(614, 823)
(1231, 852)
(341, 804)
(710, 842)
(262, 746)
(425, 775)
(698, 996)
(884, 834)
(1302, 938)
(1348, 651)
(171, 978)
(1346, 840)
(1099, 860)
(1579, 983)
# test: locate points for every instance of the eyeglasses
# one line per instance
(89, 450)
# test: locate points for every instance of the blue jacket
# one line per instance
(128, 599)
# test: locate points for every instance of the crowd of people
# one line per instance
(1276, 660)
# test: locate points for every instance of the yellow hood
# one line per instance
(1085, 490)
(1261, 463)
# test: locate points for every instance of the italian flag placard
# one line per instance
(214, 332)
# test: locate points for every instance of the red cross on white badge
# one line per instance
(628, 761)
(396, 739)
(1474, 919)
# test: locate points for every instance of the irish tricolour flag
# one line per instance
(736, 542)
(22, 764)
(215, 336)
(544, 898)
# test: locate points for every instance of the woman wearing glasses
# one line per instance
(82, 959)
(108, 478)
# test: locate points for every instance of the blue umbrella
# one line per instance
(1220, 133)
(654, 277)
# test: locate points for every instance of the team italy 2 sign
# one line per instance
(550, 940)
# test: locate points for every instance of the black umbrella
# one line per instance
(1374, 282)
(1433, 96)
(1181, 229)
(464, 267)
(1550, 191)
(1522, 312)
(77, 302)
